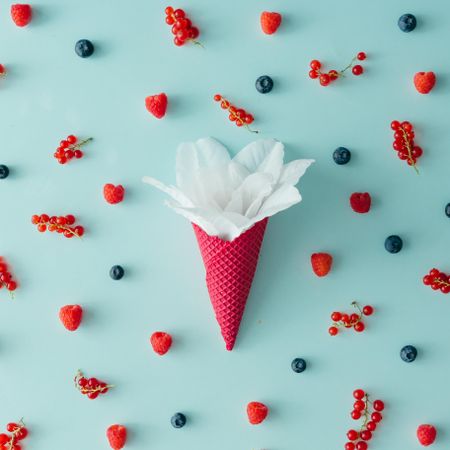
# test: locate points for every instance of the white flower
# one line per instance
(225, 196)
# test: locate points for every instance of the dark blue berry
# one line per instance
(264, 84)
(447, 210)
(4, 171)
(84, 48)
(178, 420)
(408, 353)
(407, 23)
(393, 244)
(342, 155)
(298, 365)
(116, 272)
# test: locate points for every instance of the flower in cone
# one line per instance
(229, 201)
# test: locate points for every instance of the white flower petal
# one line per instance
(175, 193)
(254, 154)
(293, 171)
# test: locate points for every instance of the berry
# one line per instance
(350, 446)
(366, 435)
(161, 342)
(342, 155)
(116, 272)
(178, 420)
(393, 244)
(324, 79)
(359, 394)
(182, 27)
(84, 48)
(270, 21)
(376, 417)
(408, 353)
(2, 70)
(4, 171)
(361, 56)
(113, 194)
(352, 435)
(71, 316)
(91, 387)
(426, 434)
(357, 70)
(424, 82)
(336, 316)
(58, 224)
(21, 14)
(447, 206)
(237, 115)
(298, 365)
(360, 202)
(321, 263)
(378, 405)
(257, 412)
(117, 436)
(407, 22)
(359, 327)
(355, 414)
(315, 64)
(333, 331)
(264, 84)
(361, 445)
(367, 310)
(157, 105)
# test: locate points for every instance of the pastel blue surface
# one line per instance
(50, 92)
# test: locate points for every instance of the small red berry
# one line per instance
(336, 316)
(324, 79)
(349, 446)
(361, 56)
(359, 327)
(315, 64)
(333, 331)
(257, 412)
(361, 445)
(368, 310)
(359, 394)
(378, 405)
(71, 139)
(366, 435)
(376, 417)
(371, 426)
(352, 435)
(357, 70)
(313, 74)
(355, 414)
(359, 405)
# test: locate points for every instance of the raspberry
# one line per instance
(117, 436)
(157, 105)
(161, 342)
(270, 21)
(256, 412)
(321, 263)
(426, 434)
(71, 316)
(21, 14)
(424, 81)
(360, 202)
(113, 194)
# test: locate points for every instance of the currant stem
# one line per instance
(408, 147)
(11, 293)
(238, 118)
(441, 282)
(341, 72)
(77, 145)
(366, 413)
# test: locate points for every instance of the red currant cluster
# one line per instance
(60, 224)
(90, 386)
(404, 143)
(326, 78)
(350, 320)
(11, 441)
(237, 115)
(70, 148)
(182, 27)
(437, 280)
(6, 278)
(361, 409)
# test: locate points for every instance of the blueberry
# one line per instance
(407, 23)
(342, 155)
(4, 171)
(408, 353)
(264, 84)
(116, 272)
(393, 244)
(447, 208)
(178, 420)
(298, 365)
(84, 48)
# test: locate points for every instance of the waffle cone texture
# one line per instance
(230, 268)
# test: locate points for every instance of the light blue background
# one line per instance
(50, 92)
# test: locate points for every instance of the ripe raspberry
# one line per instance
(270, 21)
(161, 342)
(256, 412)
(426, 434)
(360, 202)
(321, 263)
(117, 436)
(157, 105)
(21, 14)
(424, 81)
(113, 194)
(71, 316)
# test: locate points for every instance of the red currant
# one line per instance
(333, 331)
(324, 79)
(359, 394)
(359, 327)
(352, 435)
(371, 426)
(357, 70)
(367, 310)
(378, 405)
(336, 316)
(361, 56)
(179, 13)
(78, 154)
(361, 445)
(313, 74)
(315, 64)
(11, 427)
(349, 446)
(71, 139)
(376, 417)
(355, 414)
(359, 405)
(366, 435)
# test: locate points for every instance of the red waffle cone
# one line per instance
(230, 268)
